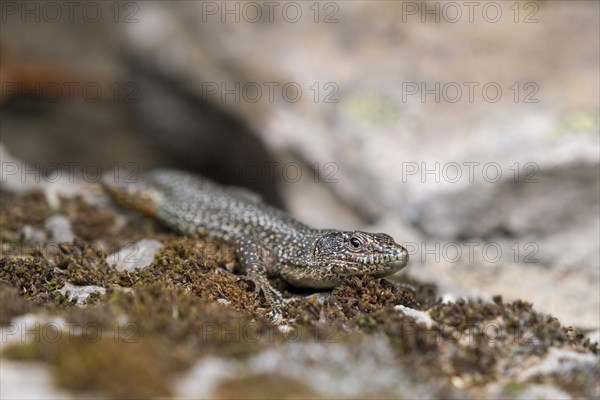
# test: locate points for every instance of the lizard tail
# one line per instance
(137, 196)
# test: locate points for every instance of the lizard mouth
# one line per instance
(388, 265)
(390, 268)
(398, 259)
(377, 268)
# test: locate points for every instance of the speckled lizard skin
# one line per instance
(268, 241)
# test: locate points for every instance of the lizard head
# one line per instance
(346, 253)
(336, 255)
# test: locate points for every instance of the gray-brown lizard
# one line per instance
(268, 241)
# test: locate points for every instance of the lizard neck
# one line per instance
(297, 248)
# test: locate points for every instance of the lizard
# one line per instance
(268, 241)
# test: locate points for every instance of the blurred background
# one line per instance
(469, 132)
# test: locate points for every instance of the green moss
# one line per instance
(513, 389)
(185, 263)
(33, 278)
(16, 212)
(84, 263)
(263, 386)
(123, 370)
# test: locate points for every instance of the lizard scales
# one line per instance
(267, 240)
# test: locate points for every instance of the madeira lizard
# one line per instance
(268, 241)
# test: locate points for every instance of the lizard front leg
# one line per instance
(254, 258)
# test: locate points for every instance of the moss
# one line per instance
(98, 225)
(306, 310)
(85, 263)
(164, 329)
(180, 316)
(425, 294)
(88, 222)
(194, 265)
(187, 304)
(516, 323)
(34, 279)
(263, 386)
(19, 210)
(477, 360)
(11, 304)
(363, 296)
(122, 370)
(103, 316)
(513, 389)
(578, 383)
(407, 335)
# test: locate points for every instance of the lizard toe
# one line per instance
(275, 316)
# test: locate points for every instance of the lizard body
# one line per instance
(267, 240)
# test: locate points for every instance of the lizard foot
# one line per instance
(261, 284)
(275, 315)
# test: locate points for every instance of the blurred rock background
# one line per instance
(349, 115)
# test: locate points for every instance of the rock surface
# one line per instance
(139, 255)
(80, 293)
(29, 381)
(375, 142)
(521, 169)
(60, 229)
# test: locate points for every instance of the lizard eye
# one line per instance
(355, 242)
